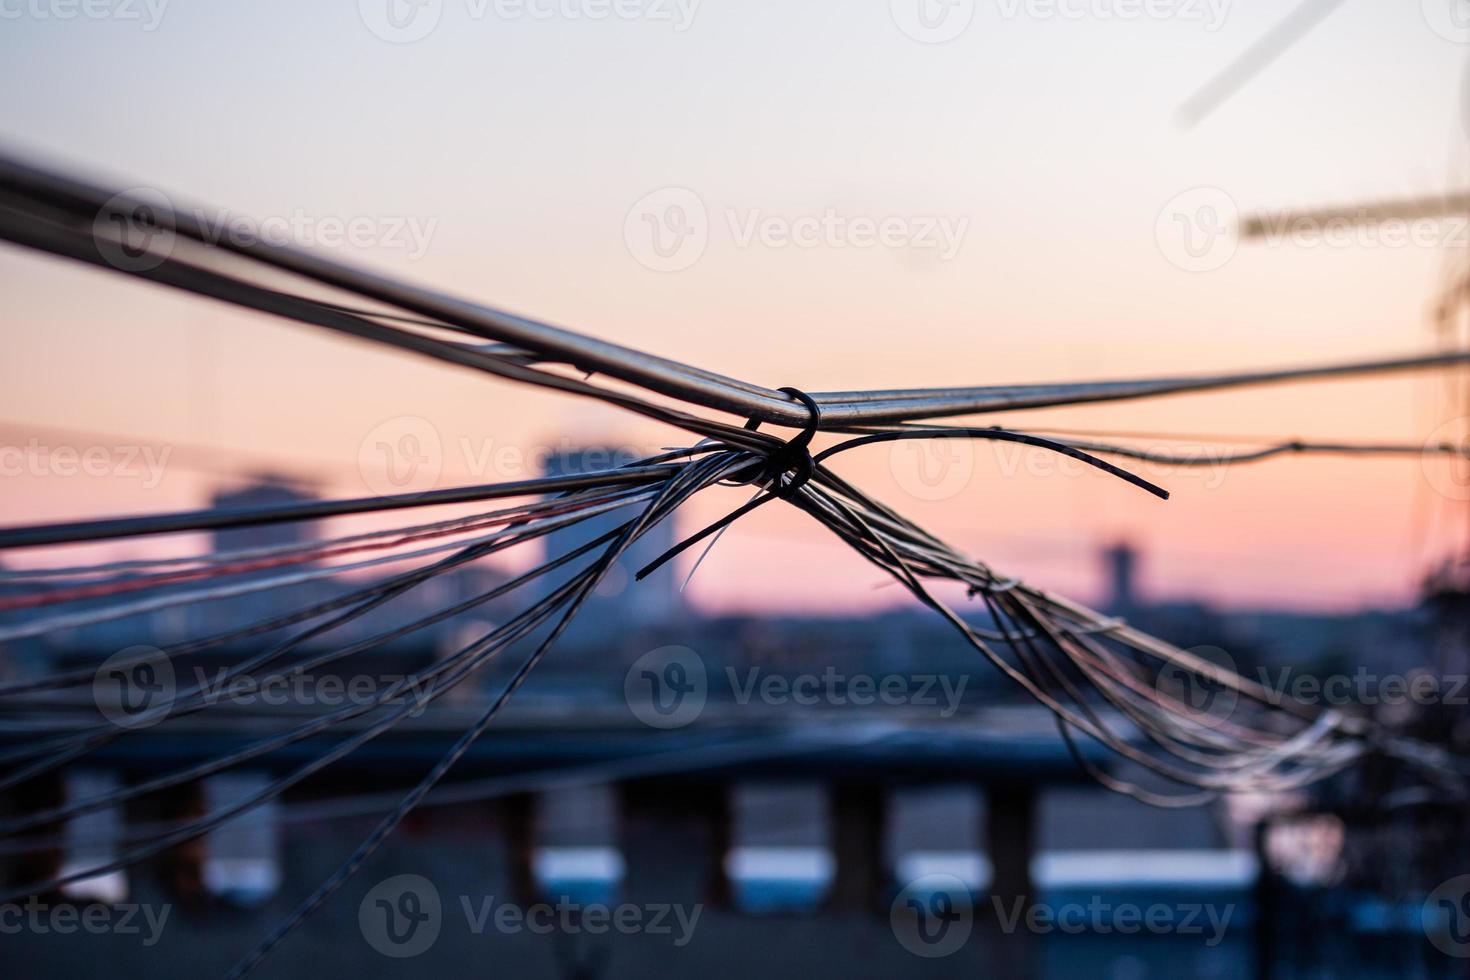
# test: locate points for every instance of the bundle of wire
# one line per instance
(1100, 678)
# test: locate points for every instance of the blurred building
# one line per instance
(620, 603)
(1121, 561)
(263, 491)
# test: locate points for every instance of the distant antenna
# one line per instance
(1255, 59)
(1364, 214)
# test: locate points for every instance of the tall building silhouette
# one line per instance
(263, 490)
(619, 602)
(1122, 569)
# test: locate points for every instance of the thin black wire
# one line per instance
(196, 699)
(659, 509)
(54, 217)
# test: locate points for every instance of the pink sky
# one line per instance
(528, 145)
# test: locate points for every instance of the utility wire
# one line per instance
(1070, 659)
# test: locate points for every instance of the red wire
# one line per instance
(297, 558)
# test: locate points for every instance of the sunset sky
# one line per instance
(521, 148)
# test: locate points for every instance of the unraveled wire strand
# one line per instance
(372, 597)
(884, 551)
(477, 654)
(452, 669)
(656, 511)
